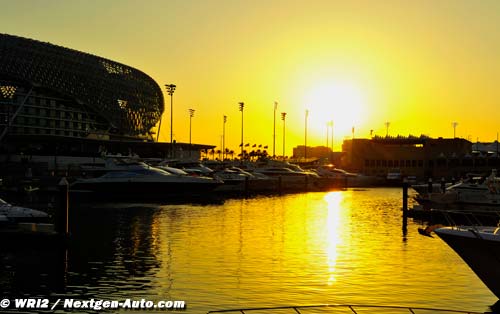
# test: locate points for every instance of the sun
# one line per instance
(341, 102)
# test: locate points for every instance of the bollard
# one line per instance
(405, 207)
(429, 186)
(443, 185)
(62, 219)
(405, 197)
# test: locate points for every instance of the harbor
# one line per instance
(249, 157)
(294, 249)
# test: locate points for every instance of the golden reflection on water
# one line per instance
(334, 201)
(336, 247)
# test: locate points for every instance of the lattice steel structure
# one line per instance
(51, 90)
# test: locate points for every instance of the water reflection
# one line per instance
(334, 201)
(337, 247)
(42, 267)
(110, 250)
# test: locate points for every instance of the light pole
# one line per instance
(224, 119)
(242, 106)
(274, 128)
(331, 125)
(454, 125)
(170, 90)
(191, 115)
(387, 124)
(283, 117)
(305, 135)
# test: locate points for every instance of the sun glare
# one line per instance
(343, 103)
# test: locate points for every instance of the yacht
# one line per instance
(423, 189)
(172, 170)
(479, 247)
(17, 220)
(468, 195)
(348, 178)
(238, 180)
(286, 174)
(192, 167)
(145, 183)
(15, 214)
(288, 179)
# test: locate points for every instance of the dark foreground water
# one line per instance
(336, 247)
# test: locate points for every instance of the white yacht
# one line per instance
(192, 167)
(348, 178)
(14, 214)
(468, 195)
(238, 180)
(479, 247)
(16, 221)
(288, 179)
(145, 183)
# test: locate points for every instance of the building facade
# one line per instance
(312, 152)
(422, 157)
(59, 92)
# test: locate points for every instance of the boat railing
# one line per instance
(341, 308)
(458, 218)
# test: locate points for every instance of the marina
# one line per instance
(254, 157)
(340, 247)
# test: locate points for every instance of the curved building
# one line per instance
(54, 91)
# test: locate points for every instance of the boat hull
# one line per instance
(480, 253)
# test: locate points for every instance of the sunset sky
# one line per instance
(419, 65)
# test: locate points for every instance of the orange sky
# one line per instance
(419, 65)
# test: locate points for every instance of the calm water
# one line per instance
(336, 247)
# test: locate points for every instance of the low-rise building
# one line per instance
(422, 157)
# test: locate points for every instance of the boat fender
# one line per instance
(428, 230)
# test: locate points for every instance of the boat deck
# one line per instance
(341, 308)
